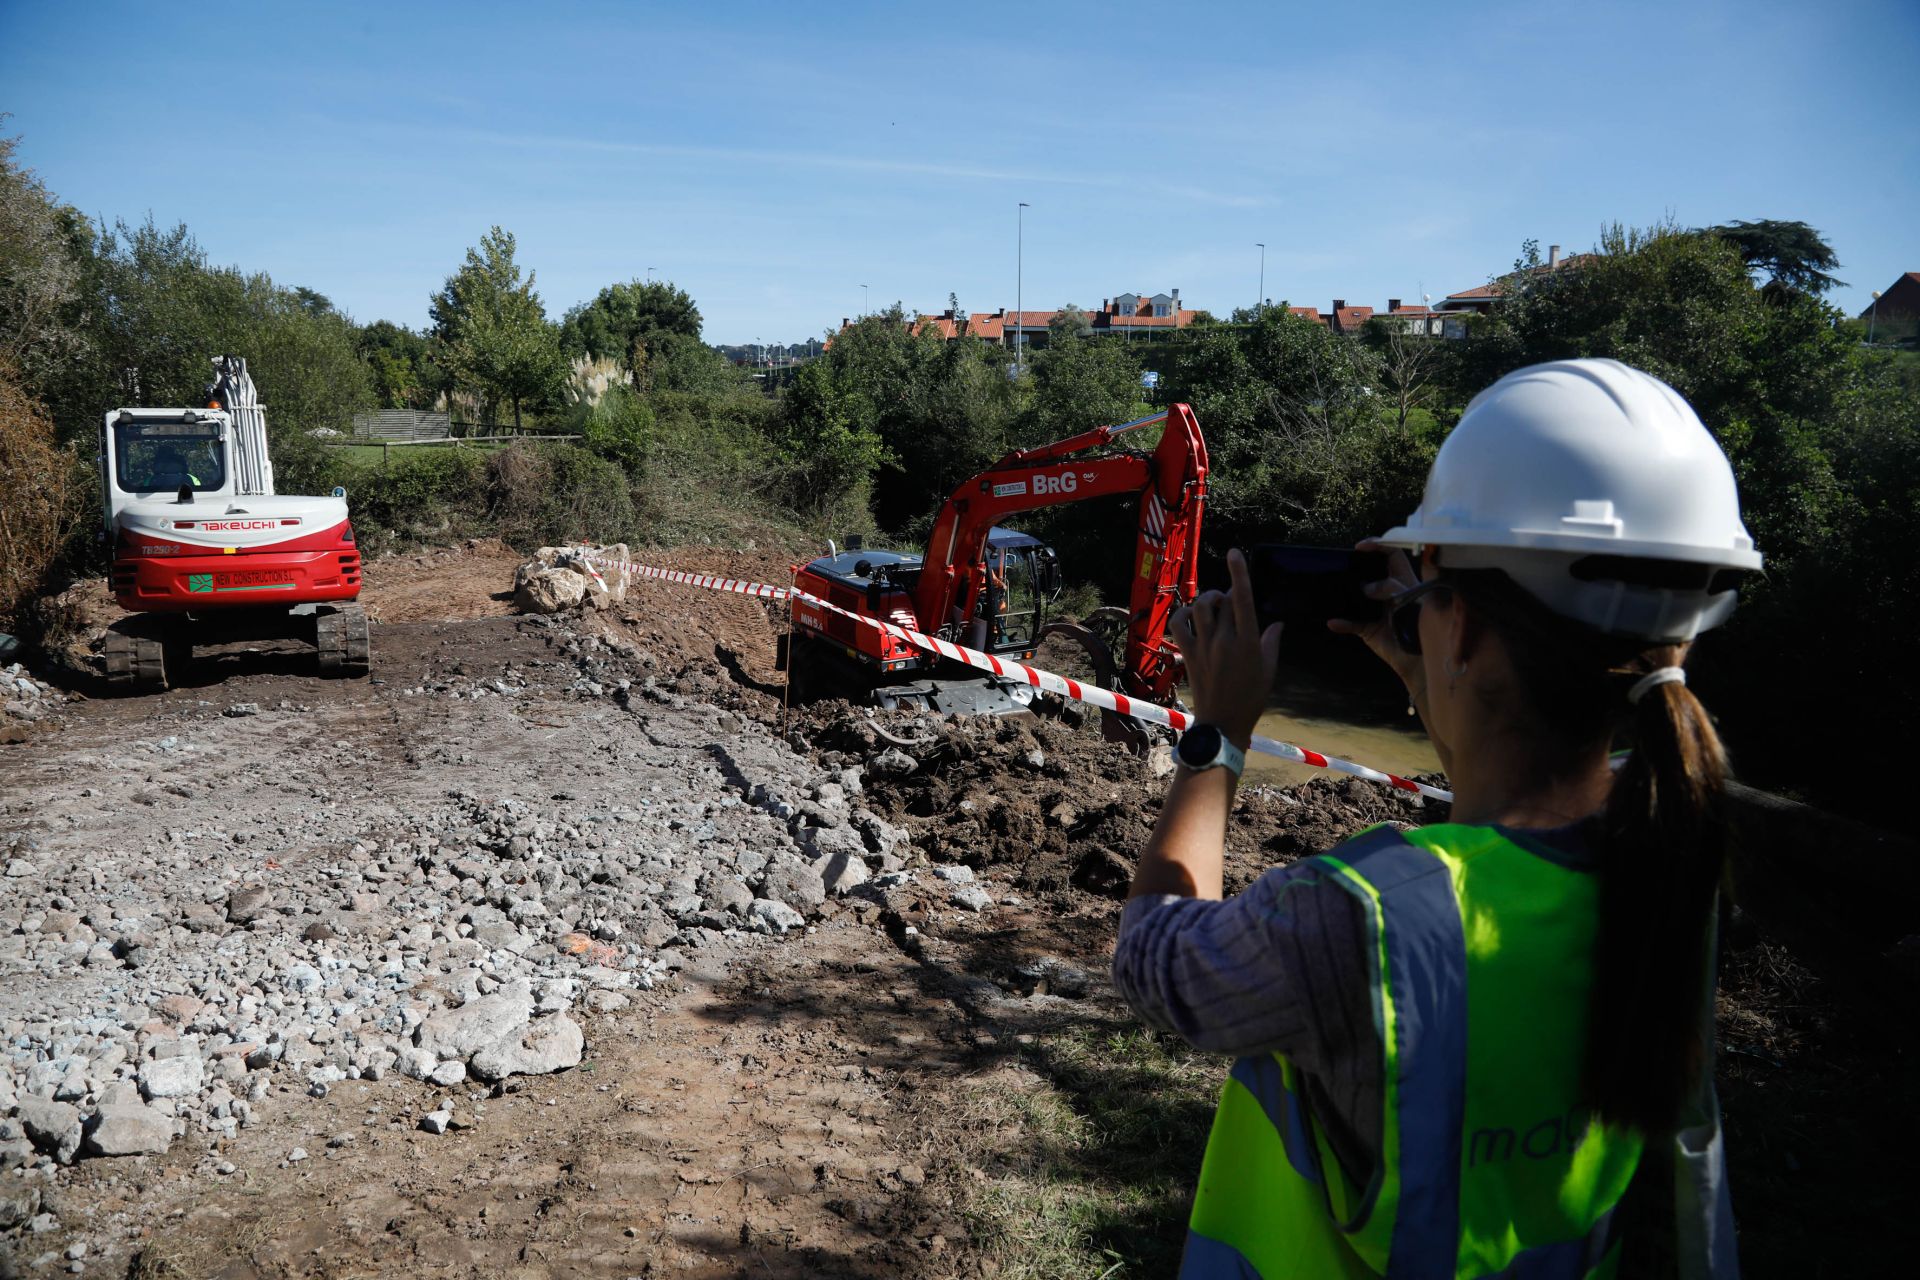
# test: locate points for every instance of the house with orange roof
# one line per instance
(1126, 313)
(1482, 298)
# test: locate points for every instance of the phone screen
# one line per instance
(1305, 586)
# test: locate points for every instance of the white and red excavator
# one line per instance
(992, 589)
(204, 551)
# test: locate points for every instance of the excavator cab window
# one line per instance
(1015, 590)
(1048, 574)
(163, 457)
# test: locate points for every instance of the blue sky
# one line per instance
(772, 159)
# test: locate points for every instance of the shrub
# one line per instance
(540, 496)
(40, 498)
(428, 495)
(618, 426)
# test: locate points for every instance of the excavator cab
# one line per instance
(1022, 576)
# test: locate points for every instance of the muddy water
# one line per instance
(1353, 720)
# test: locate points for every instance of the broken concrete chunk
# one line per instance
(54, 1127)
(480, 1022)
(544, 1045)
(970, 896)
(793, 882)
(129, 1131)
(172, 1077)
(244, 906)
(842, 872)
(775, 917)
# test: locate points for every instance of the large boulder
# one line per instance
(566, 577)
(497, 1036)
(175, 1077)
(54, 1127)
(537, 589)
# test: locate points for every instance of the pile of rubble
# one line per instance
(161, 992)
(24, 698)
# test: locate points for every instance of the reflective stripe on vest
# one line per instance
(1487, 1167)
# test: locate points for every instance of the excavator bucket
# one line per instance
(1095, 637)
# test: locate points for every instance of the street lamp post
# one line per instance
(863, 302)
(1260, 303)
(1019, 283)
(1872, 315)
(650, 271)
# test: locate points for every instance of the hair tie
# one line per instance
(1653, 680)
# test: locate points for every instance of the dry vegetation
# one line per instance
(40, 497)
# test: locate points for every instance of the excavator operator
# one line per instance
(996, 597)
(172, 467)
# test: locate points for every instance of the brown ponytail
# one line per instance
(1666, 854)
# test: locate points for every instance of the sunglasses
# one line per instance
(1403, 613)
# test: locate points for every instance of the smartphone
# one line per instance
(1304, 586)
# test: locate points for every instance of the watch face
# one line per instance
(1198, 746)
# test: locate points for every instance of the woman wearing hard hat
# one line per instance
(1479, 1048)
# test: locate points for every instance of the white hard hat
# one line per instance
(1596, 487)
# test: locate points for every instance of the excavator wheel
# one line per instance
(342, 639)
(135, 663)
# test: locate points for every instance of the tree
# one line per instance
(1081, 383)
(494, 332)
(1412, 366)
(1301, 443)
(1793, 255)
(158, 313)
(621, 315)
(668, 361)
(41, 284)
(827, 440)
(936, 410)
(1068, 322)
(399, 365)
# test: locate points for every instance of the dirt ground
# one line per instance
(894, 1093)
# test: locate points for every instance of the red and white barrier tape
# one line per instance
(1092, 695)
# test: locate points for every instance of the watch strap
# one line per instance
(1225, 756)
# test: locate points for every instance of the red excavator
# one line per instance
(991, 588)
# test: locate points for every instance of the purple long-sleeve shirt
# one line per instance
(1278, 968)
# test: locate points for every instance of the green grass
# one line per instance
(1090, 1172)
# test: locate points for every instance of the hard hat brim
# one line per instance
(1408, 537)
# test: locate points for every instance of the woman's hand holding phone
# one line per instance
(1377, 630)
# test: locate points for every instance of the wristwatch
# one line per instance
(1204, 747)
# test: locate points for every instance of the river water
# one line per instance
(1353, 719)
